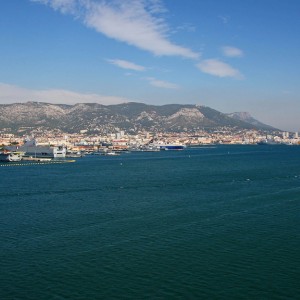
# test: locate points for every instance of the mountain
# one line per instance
(246, 117)
(131, 117)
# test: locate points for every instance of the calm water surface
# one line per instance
(209, 223)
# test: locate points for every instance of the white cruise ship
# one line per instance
(30, 148)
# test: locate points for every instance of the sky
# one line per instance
(230, 55)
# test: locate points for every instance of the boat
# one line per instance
(266, 142)
(31, 149)
(38, 159)
(172, 147)
(74, 154)
(11, 156)
(111, 153)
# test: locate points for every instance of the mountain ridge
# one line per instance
(130, 116)
(246, 117)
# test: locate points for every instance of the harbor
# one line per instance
(31, 151)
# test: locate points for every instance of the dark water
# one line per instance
(210, 223)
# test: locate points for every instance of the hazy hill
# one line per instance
(246, 117)
(128, 116)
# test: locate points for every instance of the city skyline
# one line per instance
(228, 55)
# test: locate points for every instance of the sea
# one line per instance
(213, 222)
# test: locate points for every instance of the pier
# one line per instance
(12, 164)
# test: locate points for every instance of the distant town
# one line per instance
(121, 140)
(92, 127)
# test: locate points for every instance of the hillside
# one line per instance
(132, 117)
(246, 117)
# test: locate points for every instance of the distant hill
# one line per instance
(132, 117)
(246, 117)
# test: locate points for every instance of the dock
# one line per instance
(15, 164)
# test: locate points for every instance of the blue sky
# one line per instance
(230, 55)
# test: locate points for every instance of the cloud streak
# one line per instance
(218, 68)
(162, 84)
(12, 94)
(64, 6)
(137, 23)
(124, 64)
(232, 51)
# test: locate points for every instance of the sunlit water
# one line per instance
(209, 223)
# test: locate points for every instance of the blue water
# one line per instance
(209, 223)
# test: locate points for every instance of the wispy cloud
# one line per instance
(64, 6)
(162, 84)
(218, 68)
(186, 27)
(225, 19)
(124, 64)
(232, 51)
(136, 22)
(155, 6)
(12, 94)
